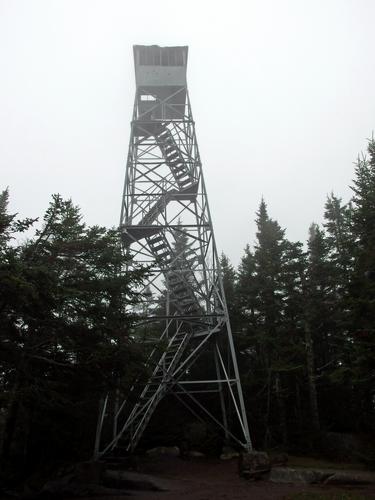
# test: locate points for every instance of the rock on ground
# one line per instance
(253, 464)
(134, 481)
(195, 454)
(228, 453)
(320, 476)
(169, 451)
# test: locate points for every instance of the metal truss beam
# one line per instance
(166, 224)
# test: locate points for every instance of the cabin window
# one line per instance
(161, 56)
(148, 97)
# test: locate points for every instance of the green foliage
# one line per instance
(64, 330)
(268, 291)
(302, 317)
(361, 290)
(304, 320)
(229, 283)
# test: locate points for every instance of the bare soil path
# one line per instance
(209, 479)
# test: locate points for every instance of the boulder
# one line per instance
(298, 475)
(75, 480)
(67, 487)
(169, 451)
(133, 481)
(351, 478)
(228, 453)
(195, 454)
(320, 476)
(253, 464)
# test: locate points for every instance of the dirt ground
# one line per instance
(205, 479)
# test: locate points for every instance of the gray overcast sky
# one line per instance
(282, 93)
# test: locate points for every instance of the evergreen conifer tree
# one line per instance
(65, 334)
(362, 288)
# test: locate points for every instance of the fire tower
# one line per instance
(166, 225)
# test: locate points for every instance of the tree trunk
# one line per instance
(315, 420)
(282, 411)
(298, 407)
(10, 424)
(268, 409)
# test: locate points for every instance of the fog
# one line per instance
(282, 95)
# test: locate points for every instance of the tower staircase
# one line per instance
(156, 387)
(173, 158)
(164, 183)
(180, 282)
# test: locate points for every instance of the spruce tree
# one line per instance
(362, 288)
(266, 321)
(65, 333)
(246, 288)
(316, 290)
(339, 238)
(229, 282)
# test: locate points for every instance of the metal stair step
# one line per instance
(163, 255)
(179, 168)
(180, 175)
(175, 344)
(164, 135)
(172, 156)
(156, 239)
(176, 163)
(185, 183)
(157, 247)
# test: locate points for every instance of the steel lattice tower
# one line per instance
(166, 224)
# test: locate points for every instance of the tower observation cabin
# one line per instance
(160, 74)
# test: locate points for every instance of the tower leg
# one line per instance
(221, 394)
(245, 425)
